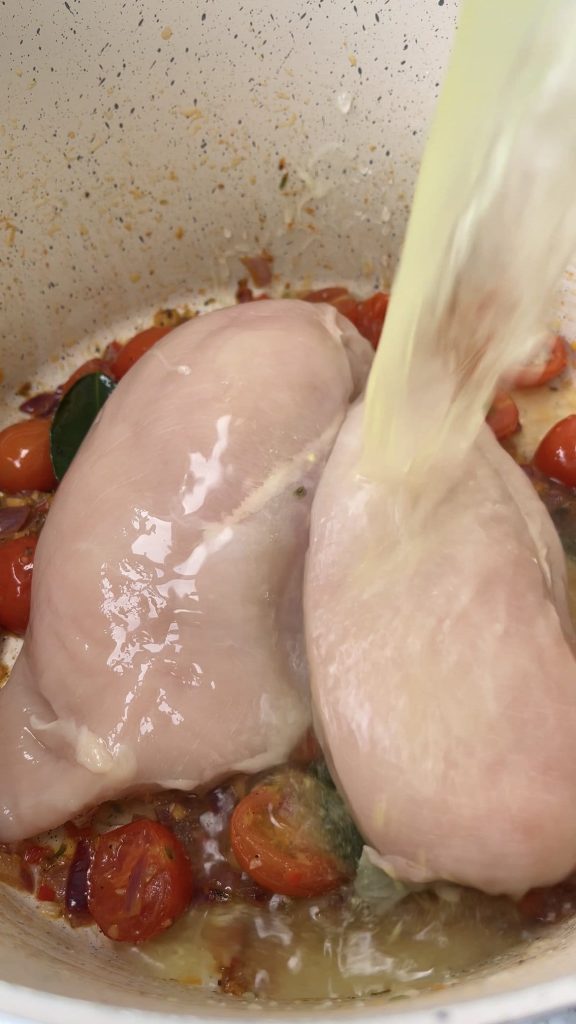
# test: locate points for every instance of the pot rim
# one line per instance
(22, 1005)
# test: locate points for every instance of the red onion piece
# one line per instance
(77, 884)
(13, 518)
(41, 405)
(259, 268)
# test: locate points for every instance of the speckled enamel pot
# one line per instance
(147, 147)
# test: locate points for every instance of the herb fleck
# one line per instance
(283, 181)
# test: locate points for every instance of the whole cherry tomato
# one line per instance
(370, 315)
(503, 417)
(16, 565)
(25, 463)
(134, 349)
(541, 371)
(556, 453)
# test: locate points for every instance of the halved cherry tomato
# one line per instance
(25, 463)
(556, 453)
(139, 881)
(370, 315)
(134, 349)
(16, 564)
(503, 418)
(275, 838)
(541, 371)
(90, 366)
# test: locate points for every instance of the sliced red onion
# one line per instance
(41, 405)
(77, 884)
(13, 518)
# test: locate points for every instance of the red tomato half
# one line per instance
(25, 463)
(273, 838)
(134, 349)
(16, 565)
(139, 881)
(503, 418)
(556, 453)
(46, 893)
(541, 371)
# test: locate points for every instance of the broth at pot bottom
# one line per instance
(328, 948)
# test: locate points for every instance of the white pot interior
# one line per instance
(144, 149)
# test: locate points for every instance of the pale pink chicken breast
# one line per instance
(165, 646)
(442, 670)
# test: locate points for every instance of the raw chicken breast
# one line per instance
(165, 646)
(442, 670)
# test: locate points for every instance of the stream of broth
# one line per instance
(493, 225)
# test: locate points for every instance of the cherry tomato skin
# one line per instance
(139, 881)
(556, 453)
(16, 565)
(134, 349)
(25, 463)
(280, 859)
(503, 418)
(370, 316)
(45, 893)
(538, 373)
(90, 366)
(35, 854)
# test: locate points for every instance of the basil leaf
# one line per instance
(74, 417)
(373, 885)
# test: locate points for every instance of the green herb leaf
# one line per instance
(344, 838)
(74, 417)
(373, 885)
